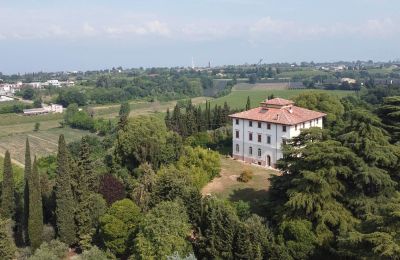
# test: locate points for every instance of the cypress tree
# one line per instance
(86, 183)
(64, 198)
(168, 119)
(7, 192)
(35, 221)
(27, 173)
(7, 246)
(248, 105)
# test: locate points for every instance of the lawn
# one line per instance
(237, 99)
(226, 185)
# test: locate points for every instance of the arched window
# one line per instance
(259, 152)
(250, 150)
(237, 148)
(268, 160)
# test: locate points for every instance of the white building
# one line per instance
(53, 82)
(259, 132)
(53, 108)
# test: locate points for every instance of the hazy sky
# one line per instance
(53, 35)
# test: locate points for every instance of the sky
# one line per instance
(55, 35)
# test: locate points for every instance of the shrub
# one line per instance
(49, 251)
(245, 176)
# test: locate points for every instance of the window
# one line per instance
(283, 140)
(237, 148)
(268, 126)
(250, 123)
(310, 123)
(251, 150)
(295, 127)
(250, 136)
(317, 120)
(259, 138)
(283, 128)
(259, 152)
(304, 125)
(259, 124)
(268, 139)
(237, 133)
(237, 121)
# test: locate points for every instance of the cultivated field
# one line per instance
(261, 86)
(227, 186)
(42, 143)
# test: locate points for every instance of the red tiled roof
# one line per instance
(285, 115)
(278, 102)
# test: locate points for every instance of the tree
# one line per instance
(84, 182)
(36, 127)
(52, 250)
(389, 112)
(124, 112)
(111, 188)
(27, 174)
(248, 105)
(146, 180)
(35, 222)
(142, 140)
(323, 102)
(218, 228)
(64, 198)
(163, 231)
(7, 191)
(118, 224)
(7, 246)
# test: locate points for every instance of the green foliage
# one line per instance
(323, 102)
(146, 139)
(27, 174)
(35, 221)
(297, 237)
(123, 114)
(200, 164)
(253, 239)
(7, 246)
(77, 118)
(54, 250)
(163, 231)
(248, 104)
(65, 209)
(36, 127)
(389, 112)
(7, 191)
(146, 180)
(219, 226)
(118, 224)
(93, 254)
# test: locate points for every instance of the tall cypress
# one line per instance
(35, 221)
(7, 192)
(86, 183)
(27, 173)
(248, 105)
(64, 198)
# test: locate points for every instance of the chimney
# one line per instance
(290, 110)
(277, 117)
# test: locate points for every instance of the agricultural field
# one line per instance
(303, 73)
(237, 99)
(226, 185)
(141, 107)
(42, 143)
(261, 86)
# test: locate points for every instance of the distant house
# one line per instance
(53, 82)
(53, 108)
(4, 98)
(348, 80)
(258, 133)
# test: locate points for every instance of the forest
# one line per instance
(134, 192)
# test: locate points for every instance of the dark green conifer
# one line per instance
(64, 198)
(27, 173)
(35, 221)
(248, 105)
(7, 192)
(123, 114)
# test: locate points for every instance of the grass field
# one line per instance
(237, 99)
(226, 185)
(260, 86)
